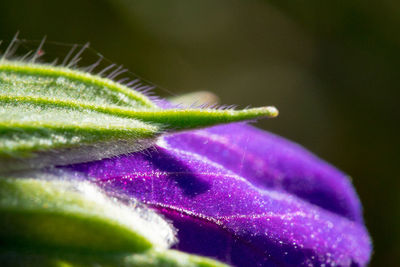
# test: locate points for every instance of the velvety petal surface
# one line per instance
(270, 161)
(244, 196)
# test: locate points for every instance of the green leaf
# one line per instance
(170, 258)
(54, 115)
(150, 258)
(71, 223)
(74, 216)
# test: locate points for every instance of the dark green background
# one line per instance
(331, 67)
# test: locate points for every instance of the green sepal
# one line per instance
(150, 258)
(170, 258)
(69, 216)
(66, 223)
(52, 115)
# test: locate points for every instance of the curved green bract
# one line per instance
(150, 258)
(66, 223)
(170, 258)
(55, 216)
(55, 115)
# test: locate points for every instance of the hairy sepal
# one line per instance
(150, 258)
(53, 219)
(52, 115)
(75, 216)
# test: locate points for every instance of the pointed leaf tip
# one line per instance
(273, 111)
(183, 119)
(53, 115)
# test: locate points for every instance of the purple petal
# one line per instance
(244, 196)
(272, 162)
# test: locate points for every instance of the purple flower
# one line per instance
(244, 196)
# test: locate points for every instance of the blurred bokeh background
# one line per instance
(331, 67)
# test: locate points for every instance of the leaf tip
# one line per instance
(270, 111)
(256, 113)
